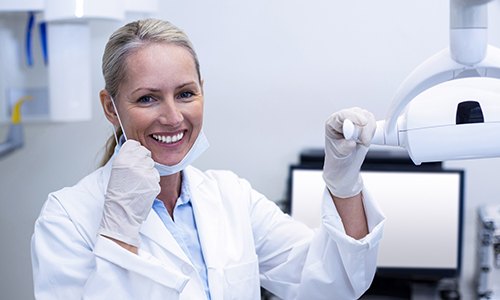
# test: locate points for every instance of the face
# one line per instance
(160, 102)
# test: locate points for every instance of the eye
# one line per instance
(186, 95)
(145, 100)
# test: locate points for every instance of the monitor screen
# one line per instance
(422, 233)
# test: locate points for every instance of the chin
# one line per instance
(167, 162)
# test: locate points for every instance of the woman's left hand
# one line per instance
(343, 158)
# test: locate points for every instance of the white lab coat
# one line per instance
(247, 242)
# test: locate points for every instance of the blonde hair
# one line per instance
(125, 41)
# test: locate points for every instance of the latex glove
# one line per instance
(132, 188)
(343, 158)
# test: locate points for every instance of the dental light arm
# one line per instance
(468, 31)
(441, 77)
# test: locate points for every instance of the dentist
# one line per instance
(148, 225)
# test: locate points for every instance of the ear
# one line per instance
(108, 108)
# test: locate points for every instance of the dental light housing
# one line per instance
(448, 108)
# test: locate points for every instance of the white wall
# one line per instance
(274, 70)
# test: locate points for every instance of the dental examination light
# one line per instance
(448, 108)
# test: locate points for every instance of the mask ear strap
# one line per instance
(114, 133)
(119, 121)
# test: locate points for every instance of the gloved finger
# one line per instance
(133, 155)
(156, 174)
(335, 123)
(135, 148)
(332, 128)
(368, 130)
(343, 147)
(355, 114)
(138, 163)
(146, 163)
(130, 144)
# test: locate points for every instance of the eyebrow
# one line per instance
(155, 90)
(144, 88)
(186, 84)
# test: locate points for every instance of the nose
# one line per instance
(170, 114)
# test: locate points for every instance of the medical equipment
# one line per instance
(454, 111)
(29, 37)
(488, 252)
(65, 39)
(15, 136)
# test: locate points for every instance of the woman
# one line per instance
(147, 225)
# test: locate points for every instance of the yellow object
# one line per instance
(16, 112)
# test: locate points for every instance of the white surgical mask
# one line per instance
(200, 145)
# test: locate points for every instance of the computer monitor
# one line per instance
(423, 207)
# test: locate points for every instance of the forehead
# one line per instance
(159, 62)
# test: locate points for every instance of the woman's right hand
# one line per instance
(132, 188)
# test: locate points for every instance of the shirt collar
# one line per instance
(185, 196)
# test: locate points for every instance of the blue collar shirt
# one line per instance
(184, 230)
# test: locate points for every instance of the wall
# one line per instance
(274, 71)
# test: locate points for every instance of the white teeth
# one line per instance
(169, 138)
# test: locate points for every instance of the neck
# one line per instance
(170, 191)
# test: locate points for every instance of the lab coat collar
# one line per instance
(154, 229)
(208, 211)
(106, 174)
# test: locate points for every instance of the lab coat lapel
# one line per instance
(155, 230)
(208, 212)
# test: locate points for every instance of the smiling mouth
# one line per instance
(168, 139)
